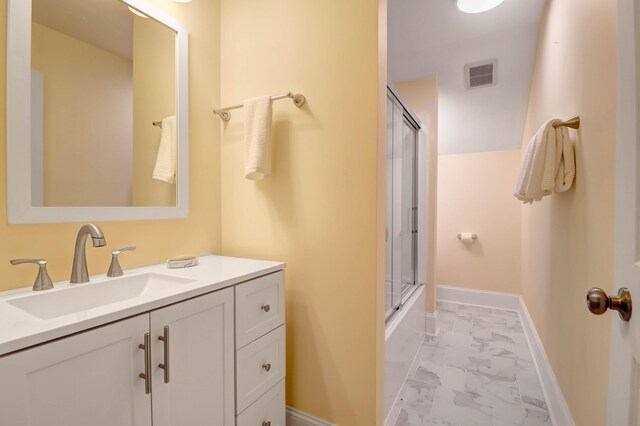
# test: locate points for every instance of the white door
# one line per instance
(195, 385)
(624, 367)
(91, 378)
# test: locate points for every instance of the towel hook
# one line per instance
(573, 123)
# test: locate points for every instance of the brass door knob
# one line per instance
(598, 302)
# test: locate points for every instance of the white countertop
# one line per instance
(19, 329)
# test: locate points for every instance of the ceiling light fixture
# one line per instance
(477, 6)
(182, 1)
(137, 12)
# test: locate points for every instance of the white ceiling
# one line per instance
(420, 28)
(432, 38)
(107, 24)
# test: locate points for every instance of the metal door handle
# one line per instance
(165, 365)
(266, 423)
(265, 308)
(147, 363)
(598, 302)
(266, 366)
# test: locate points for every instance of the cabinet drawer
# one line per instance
(260, 365)
(268, 410)
(259, 307)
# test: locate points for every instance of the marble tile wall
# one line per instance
(477, 371)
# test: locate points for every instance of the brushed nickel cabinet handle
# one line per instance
(266, 366)
(147, 363)
(266, 423)
(265, 308)
(165, 365)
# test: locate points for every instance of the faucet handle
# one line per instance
(115, 270)
(43, 281)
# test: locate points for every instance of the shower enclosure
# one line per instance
(402, 205)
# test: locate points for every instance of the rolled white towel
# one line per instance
(257, 137)
(167, 159)
(566, 161)
(535, 181)
(548, 164)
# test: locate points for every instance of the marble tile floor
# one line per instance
(478, 371)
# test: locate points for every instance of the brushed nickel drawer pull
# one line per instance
(266, 366)
(266, 423)
(265, 308)
(147, 363)
(165, 365)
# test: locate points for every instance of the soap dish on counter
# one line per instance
(182, 262)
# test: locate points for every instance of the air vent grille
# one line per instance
(480, 74)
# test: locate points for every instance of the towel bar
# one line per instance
(298, 100)
(157, 123)
(573, 123)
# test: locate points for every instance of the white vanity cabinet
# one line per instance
(199, 361)
(93, 378)
(90, 378)
(215, 359)
(260, 351)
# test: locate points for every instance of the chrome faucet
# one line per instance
(79, 271)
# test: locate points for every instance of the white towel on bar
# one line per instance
(257, 137)
(167, 159)
(548, 164)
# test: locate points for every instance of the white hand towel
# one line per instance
(257, 137)
(167, 159)
(548, 164)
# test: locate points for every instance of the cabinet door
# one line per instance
(200, 362)
(91, 378)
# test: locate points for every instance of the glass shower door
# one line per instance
(401, 233)
(408, 234)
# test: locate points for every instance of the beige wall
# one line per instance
(318, 209)
(475, 194)
(568, 238)
(422, 97)
(156, 240)
(154, 89)
(82, 82)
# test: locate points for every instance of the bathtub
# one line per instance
(403, 336)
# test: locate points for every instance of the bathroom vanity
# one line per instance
(194, 346)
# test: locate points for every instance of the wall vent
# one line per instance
(480, 74)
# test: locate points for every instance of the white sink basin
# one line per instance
(81, 297)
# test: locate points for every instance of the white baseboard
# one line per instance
(558, 408)
(298, 418)
(557, 405)
(469, 296)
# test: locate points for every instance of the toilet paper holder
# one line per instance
(473, 236)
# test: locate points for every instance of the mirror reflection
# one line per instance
(103, 106)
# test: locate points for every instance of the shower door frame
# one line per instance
(406, 288)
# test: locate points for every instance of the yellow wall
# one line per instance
(318, 211)
(82, 82)
(568, 238)
(475, 194)
(154, 77)
(156, 240)
(422, 97)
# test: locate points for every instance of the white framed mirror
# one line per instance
(97, 112)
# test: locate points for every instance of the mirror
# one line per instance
(97, 125)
